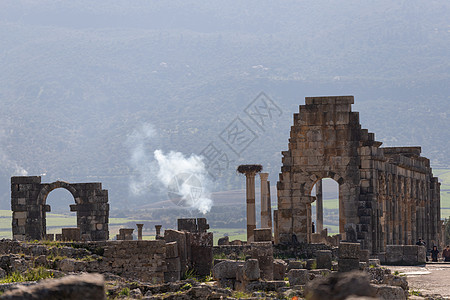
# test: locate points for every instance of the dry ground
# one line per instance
(433, 278)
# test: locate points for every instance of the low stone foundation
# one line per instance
(404, 255)
(143, 260)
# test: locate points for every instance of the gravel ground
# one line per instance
(433, 278)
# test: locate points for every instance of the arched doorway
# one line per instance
(325, 211)
(59, 215)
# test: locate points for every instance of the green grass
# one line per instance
(125, 292)
(30, 275)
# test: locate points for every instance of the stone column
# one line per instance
(250, 171)
(251, 209)
(158, 231)
(269, 205)
(139, 226)
(264, 201)
(319, 207)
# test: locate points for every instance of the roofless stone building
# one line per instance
(29, 207)
(388, 194)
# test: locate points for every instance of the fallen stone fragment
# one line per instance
(85, 286)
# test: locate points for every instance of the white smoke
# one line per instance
(179, 175)
(141, 160)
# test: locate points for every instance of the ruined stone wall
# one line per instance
(28, 203)
(142, 260)
(388, 195)
(137, 259)
(400, 195)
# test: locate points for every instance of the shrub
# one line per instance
(125, 292)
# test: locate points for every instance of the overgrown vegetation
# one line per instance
(125, 292)
(33, 274)
(189, 274)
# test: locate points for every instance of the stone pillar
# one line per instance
(139, 226)
(319, 207)
(269, 205)
(251, 209)
(264, 202)
(276, 238)
(158, 231)
(348, 256)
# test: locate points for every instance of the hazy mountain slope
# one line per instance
(77, 78)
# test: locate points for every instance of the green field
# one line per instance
(57, 221)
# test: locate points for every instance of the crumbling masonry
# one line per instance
(28, 203)
(389, 195)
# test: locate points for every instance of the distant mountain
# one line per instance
(77, 78)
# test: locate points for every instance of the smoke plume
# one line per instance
(183, 178)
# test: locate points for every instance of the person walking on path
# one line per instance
(446, 254)
(434, 254)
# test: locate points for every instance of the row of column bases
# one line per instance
(127, 233)
(266, 206)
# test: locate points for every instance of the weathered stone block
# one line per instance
(348, 264)
(263, 252)
(394, 254)
(262, 235)
(389, 292)
(364, 255)
(410, 250)
(296, 265)
(298, 276)
(179, 237)
(279, 269)
(189, 225)
(421, 254)
(173, 264)
(349, 250)
(71, 234)
(251, 270)
(225, 270)
(171, 250)
(86, 286)
(311, 264)
(323, 259)
(340, 286)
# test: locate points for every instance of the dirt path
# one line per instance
(429, 279)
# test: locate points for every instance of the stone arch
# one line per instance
(323, 143)
(28, 203)
(48, 188)
(342, 188)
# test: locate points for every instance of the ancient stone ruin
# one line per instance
(387, 195)
(28, 203)
(388, 199)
